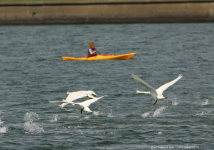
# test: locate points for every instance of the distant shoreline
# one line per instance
(106, 12)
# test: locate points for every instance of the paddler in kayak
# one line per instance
(92, 51)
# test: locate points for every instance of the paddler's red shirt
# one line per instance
(91, 52)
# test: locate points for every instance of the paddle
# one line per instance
(99, 52)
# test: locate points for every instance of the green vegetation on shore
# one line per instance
(46, 0)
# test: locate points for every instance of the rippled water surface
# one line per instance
(32, 73)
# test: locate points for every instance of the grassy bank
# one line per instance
(46, 0)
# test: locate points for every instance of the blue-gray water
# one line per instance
(32, 73)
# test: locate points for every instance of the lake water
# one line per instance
(32, 73)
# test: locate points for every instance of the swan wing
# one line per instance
(151, 89)
(63, 105)
(165, 86)
(81, 94)
(139, 80)
(55, 101)
(72, 98)
(142, 92)
(87, 109)
(91, 96)
(88, 102)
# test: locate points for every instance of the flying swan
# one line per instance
(76, 95)
(156, 94)
(85, 105)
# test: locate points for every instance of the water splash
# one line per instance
(29, 125)
(96, 113)
(80, 131)
(174, 102)
(205, 102)
(158, 112)
(174, 98)
(211, 97)
(204, 113)
(1, 122)
(3, 130)
(55, 118)
(201, 114)
(110, 114)
(146, 114)
(31, 116)
(159, 133)
(32, 127)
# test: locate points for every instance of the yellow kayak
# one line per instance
(102, 57)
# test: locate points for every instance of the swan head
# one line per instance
(94, 94)
(91, 96)
(68, 92)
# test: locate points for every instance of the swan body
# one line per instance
(156, 94)
(76, 95)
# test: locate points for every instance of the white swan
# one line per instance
(85, 105)
(157, 94)
(86, 94)
(76, 95)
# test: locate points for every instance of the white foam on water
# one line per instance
(201, 114)
(31, 116)
(110, 114)
(158, 112)
(80, 131)
(55, 118)
(204, 113)
(211, 97)
(206, 102)
(29, 125)
(159, 133)
(146, 114)
(174, 98)
(174, 102)
(1, 122)
(87, 117)
(96, 113)
(32, 127)
(3, 129)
